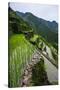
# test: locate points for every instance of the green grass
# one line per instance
(34, 38)
(20, 53)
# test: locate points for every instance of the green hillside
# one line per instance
(17, 24)
(20, 50)
(47, 29)
(24, 40)
(20, 54)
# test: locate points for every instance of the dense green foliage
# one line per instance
(18, 25)
(20, 53)
(37, 72)
(48, 30)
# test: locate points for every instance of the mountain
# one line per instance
(17, 24)
(28, 24)
(47, 29)
(29, 37)
(53, 25)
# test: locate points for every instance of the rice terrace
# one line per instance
(33, 47)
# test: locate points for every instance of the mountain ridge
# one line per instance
(35, 16)
(48, 29)
(29, 13)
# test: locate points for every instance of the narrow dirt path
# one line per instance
(26, 80)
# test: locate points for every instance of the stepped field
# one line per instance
(20, 54)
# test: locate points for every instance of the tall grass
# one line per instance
(20, 53)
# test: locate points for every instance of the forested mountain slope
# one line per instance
(47, 29)
(27, 34)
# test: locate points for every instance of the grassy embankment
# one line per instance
(20, 53)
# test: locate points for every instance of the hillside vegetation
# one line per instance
(24, 39)
(47, 29)
(20, 54)
(20, 50)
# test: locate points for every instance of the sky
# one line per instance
(47, 12)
